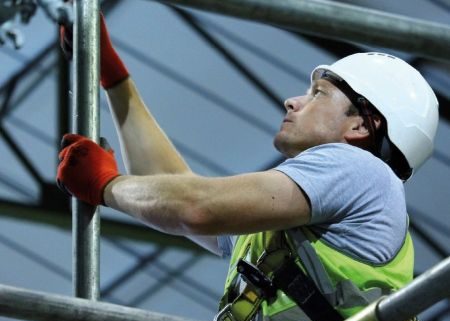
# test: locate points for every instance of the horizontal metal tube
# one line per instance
(31, 305)
(338, 21)
(426, 290)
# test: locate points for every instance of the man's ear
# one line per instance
(358, 129)
(358, 132)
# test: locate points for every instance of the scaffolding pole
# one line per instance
(86, 219)
(338, 21)
(424, 291)
(39, 306)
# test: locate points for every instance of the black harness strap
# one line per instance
(291, 279)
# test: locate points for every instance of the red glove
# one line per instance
(112, 69)
(85, 168)
(66, 41)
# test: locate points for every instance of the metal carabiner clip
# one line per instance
(225, 314)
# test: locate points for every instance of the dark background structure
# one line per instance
(216, 84)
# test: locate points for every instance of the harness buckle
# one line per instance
(251, 274)
(225, 314)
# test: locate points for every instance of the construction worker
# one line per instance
(318, 237)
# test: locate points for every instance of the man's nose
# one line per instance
(294, 103)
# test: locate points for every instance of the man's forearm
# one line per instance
(161, 202)
(145, 147)
(144, 198)
(195, 205)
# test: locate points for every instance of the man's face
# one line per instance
(316, 118)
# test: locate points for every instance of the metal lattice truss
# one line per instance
(314, 18)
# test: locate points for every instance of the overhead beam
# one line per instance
(338, 21)
(29, 67)
(232, 59)
(342, 49)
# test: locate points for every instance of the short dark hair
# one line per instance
(352, 111)
(380, 144)
(367, 111)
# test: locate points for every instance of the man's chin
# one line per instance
(281, 146)
(277, 143)
(287, 149)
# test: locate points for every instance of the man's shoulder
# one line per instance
(337, 149)
(346, 157)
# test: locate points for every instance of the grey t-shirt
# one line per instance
(357, 202)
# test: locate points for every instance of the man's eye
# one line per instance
(316, 92)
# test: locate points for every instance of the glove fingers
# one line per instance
(66, 33)
(86, 168)
(105, 145)
(69, 158)
(69, 139)
(62, 187)
(66, 141)
(66, 40)
(62, 154)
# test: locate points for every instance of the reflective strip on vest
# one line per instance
(330, 269)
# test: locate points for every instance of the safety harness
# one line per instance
(307, 285)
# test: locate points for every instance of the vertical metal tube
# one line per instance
(86, 220)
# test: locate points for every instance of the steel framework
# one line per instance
(86, 219)
(315, 17)
(338, 21)
(429, 288)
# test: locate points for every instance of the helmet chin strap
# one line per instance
(385, 150)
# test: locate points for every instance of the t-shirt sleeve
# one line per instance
(226, 244)
(355, 199)
(335, 177)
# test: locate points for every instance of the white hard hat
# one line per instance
(399, 93)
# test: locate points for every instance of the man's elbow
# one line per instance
(199, 221)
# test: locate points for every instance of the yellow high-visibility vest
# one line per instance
(356, 283)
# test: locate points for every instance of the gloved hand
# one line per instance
(112, 69)
(85, 168)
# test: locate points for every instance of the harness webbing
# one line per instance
(302, 290)
(312, 291)
(246, 304)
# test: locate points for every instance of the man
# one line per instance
(335, 207)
